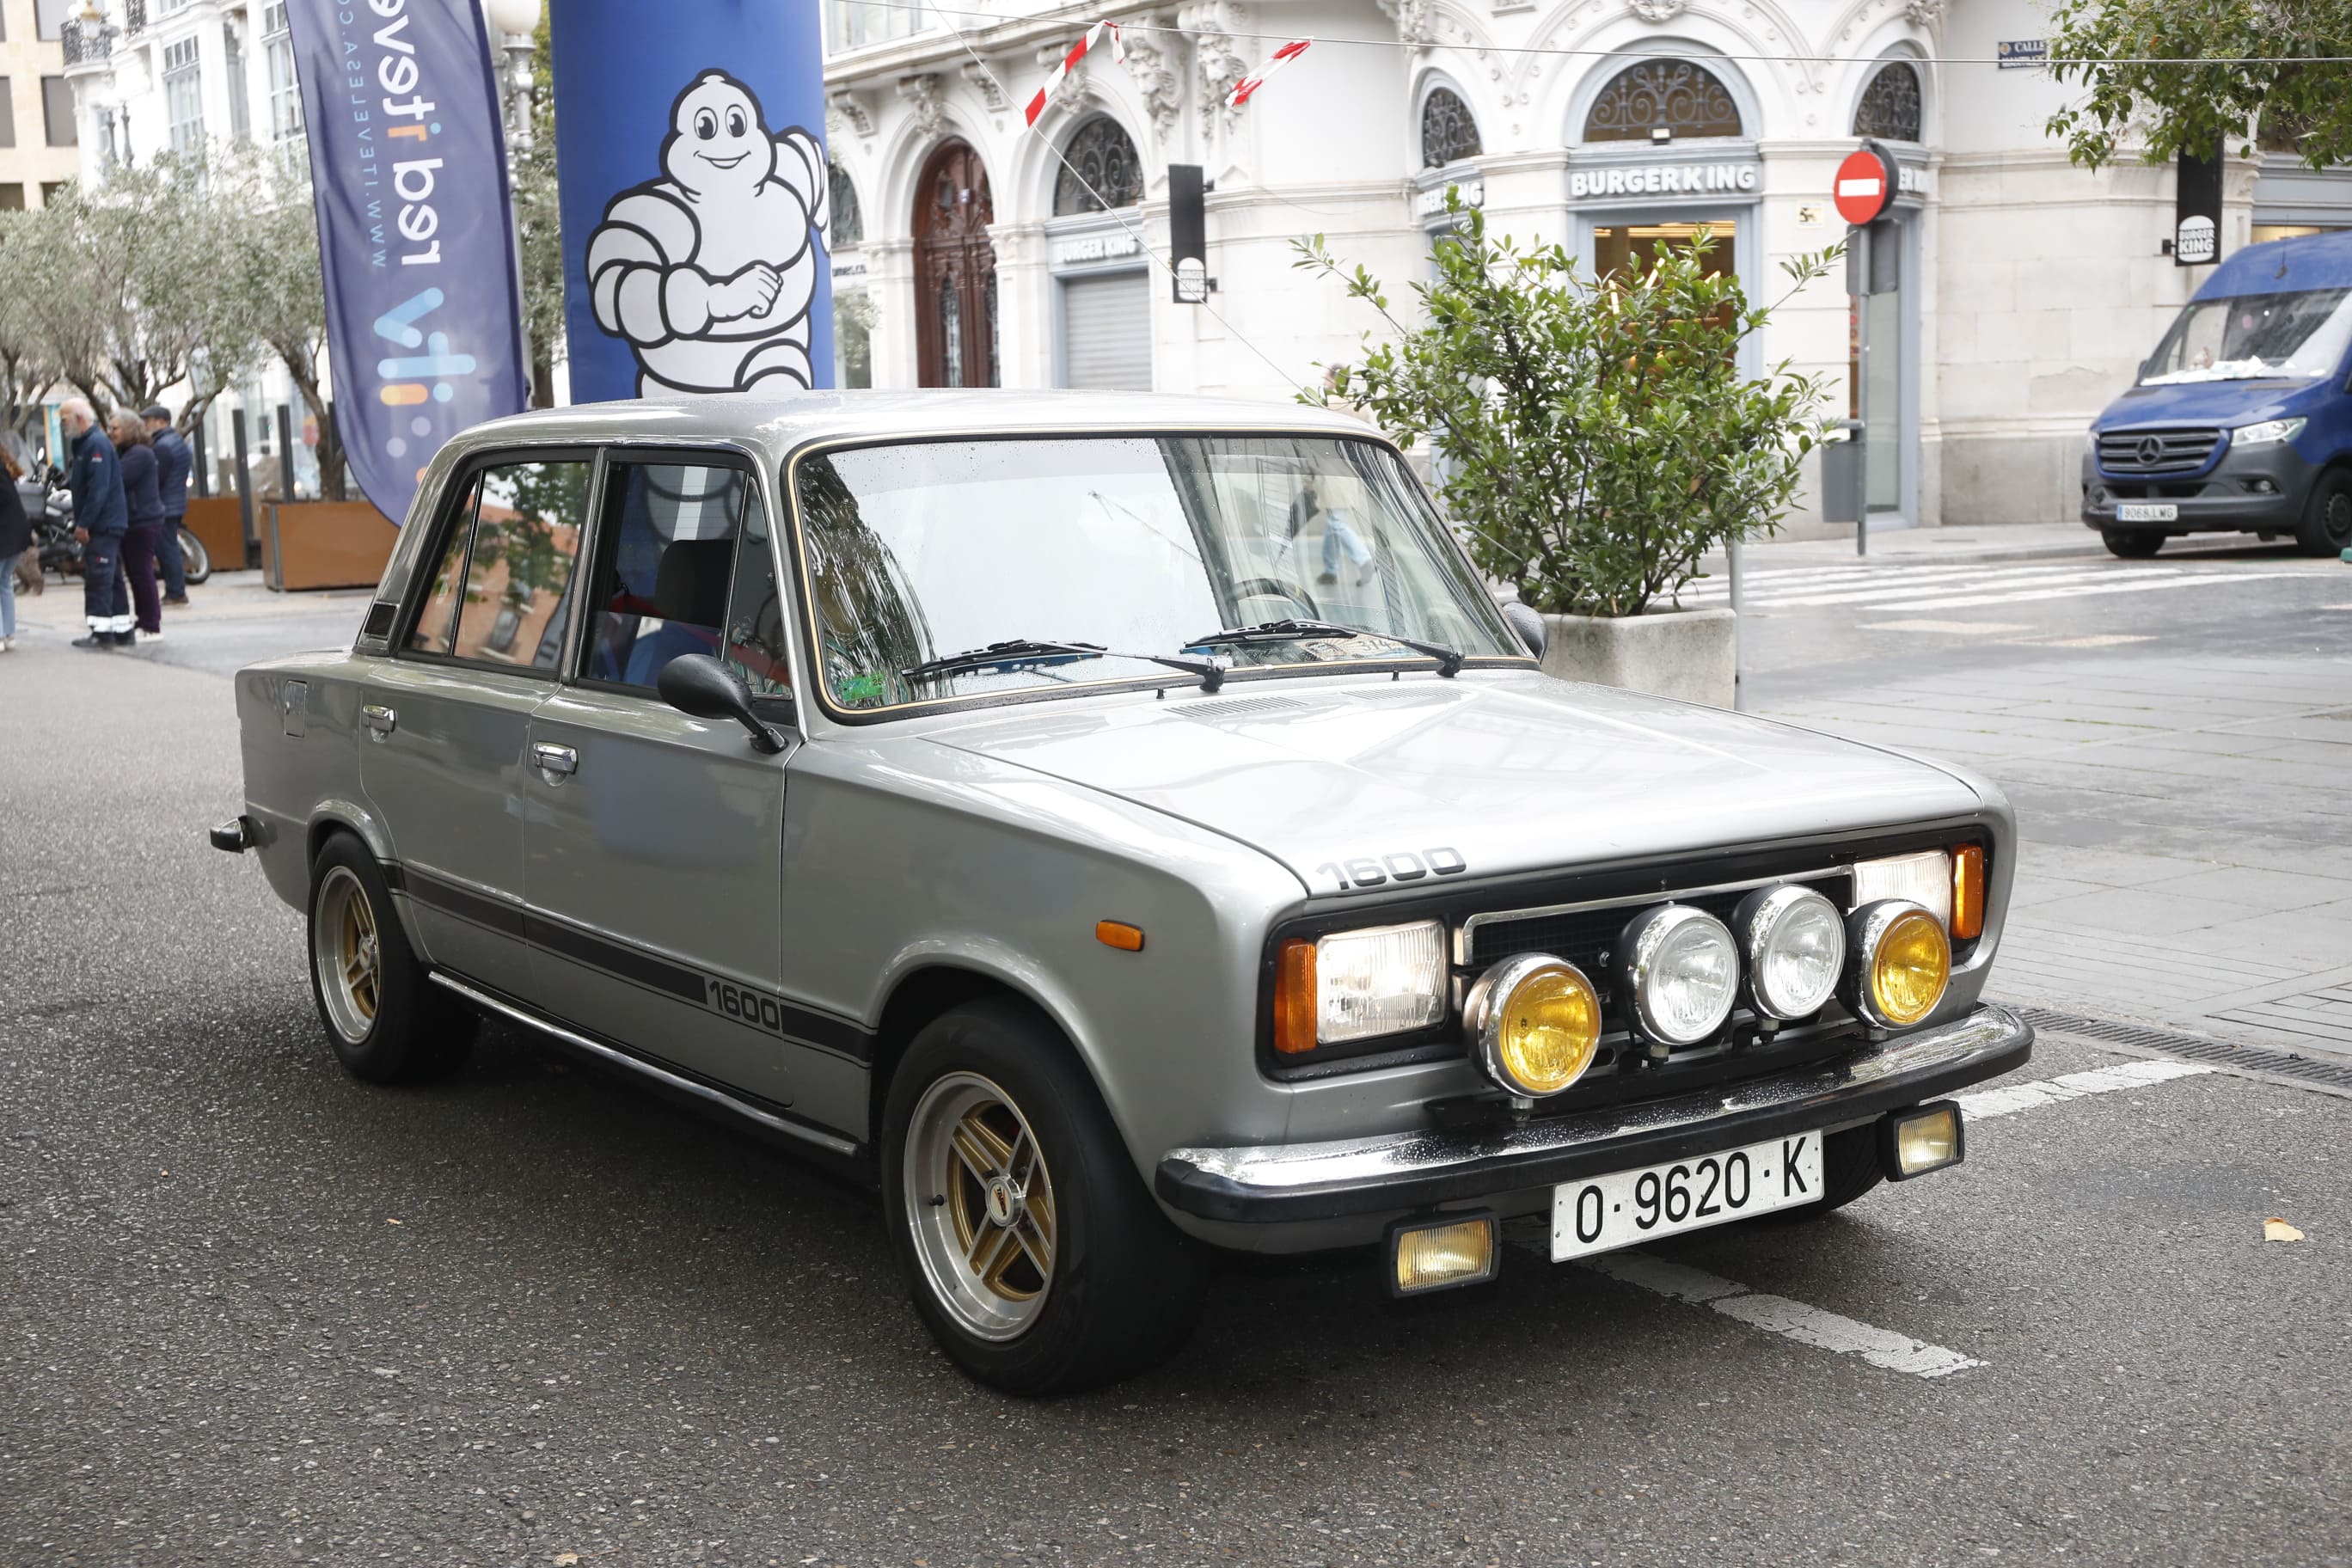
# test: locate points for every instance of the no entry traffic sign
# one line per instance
(1865, 184)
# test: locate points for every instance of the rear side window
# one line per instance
(669, 579)
(501, 591)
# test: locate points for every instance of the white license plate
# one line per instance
(2147, 511)
(1633, 1206)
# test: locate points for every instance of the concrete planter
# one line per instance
(1685, 654)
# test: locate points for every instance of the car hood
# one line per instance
(2231, 402)
(1509, 773)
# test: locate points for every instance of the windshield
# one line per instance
(1135, 544)
(2264, 336)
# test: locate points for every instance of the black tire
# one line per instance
(2326, 531)
(1125, 1285)
(195, 561)
(2132, 544)
(404, 1029)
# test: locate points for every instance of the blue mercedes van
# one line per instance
(2240, 421)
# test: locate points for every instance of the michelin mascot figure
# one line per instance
(707, 273)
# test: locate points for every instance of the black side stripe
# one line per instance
(826, 1031)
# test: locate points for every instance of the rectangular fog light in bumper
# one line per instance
(1913, 1142)
(1426, 1255)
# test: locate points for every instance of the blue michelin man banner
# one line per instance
(409, 165)
(695, 190)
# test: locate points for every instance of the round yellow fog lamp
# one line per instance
(1533, 1022)
(1903, 961)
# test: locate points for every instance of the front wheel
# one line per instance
(1034, 1254)
(2132, 544)
(2326, 529)
(387, 1021)
(195, 561)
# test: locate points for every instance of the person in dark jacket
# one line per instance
(15, 536)
(144, 505)
(101, 519)
(173, 463)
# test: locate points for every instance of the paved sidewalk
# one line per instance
(229, 596)
(1992, 543)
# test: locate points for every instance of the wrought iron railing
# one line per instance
(134, 15)
(83, 47)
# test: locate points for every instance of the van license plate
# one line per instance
(1633, 1206)
(2147, 511)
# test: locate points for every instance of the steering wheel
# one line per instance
(1268, 588)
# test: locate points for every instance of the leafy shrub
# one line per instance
(1594, 437)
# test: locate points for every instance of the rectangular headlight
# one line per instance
(2269, 433)
(1925, 878)
(1384, 980)
(1424, 1257)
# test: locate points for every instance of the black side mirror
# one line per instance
(1528, 625)
(699, 685)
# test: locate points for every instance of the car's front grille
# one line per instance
(2175, 451)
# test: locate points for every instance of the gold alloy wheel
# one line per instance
(347, 952)
(980, 1203)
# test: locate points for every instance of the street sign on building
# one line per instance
(2197, 210)
(2022, 53)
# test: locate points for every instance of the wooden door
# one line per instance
(955, 270)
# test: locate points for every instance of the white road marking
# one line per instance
(2017, 1097)
(1971, 591)
(2141, 583)
(1778, 1315)
(1948, 629)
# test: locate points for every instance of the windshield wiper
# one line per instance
(1033, 650)
(1449, 660)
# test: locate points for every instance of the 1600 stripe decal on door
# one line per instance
(1402, 866)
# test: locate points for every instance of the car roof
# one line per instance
(780, 424)
(2284, 266)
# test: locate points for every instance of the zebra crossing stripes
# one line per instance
(1888, 587)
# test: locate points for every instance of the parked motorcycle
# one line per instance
(49, 504)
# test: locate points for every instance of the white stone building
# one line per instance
(2023, 292)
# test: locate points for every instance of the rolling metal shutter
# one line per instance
(1107, 331)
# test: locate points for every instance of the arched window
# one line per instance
(1448, 134)
(1099, 170)
(1686, 98)
(848, 217)
(1890, 105)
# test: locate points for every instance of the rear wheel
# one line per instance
(2326, 528)
(387, 1021)
(2132, 544)
(1034, 1254)
(195, 561)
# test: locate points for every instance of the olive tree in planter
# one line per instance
(1594, 437)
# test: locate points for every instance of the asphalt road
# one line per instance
(251, 1311)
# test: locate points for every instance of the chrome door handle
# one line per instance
(554, 759)
(379, 718)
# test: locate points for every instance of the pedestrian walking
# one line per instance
(101, 519)
(143, 504)
(173, 464)
(15, 537)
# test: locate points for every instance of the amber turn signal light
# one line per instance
(1120, 935)
(1294, 999)
(1967, 891)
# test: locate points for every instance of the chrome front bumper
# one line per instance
(1400, 1171)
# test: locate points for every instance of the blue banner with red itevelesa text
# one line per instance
(408, 162)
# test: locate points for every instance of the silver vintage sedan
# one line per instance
(1118, 828)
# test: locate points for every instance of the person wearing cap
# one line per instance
(173, 463)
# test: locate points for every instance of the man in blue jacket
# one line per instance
(173, 462)
(101, 517)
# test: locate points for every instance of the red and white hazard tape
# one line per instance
(1070, 61)
(1256, 79)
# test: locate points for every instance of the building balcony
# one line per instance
(86, 49)
(134, 15)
